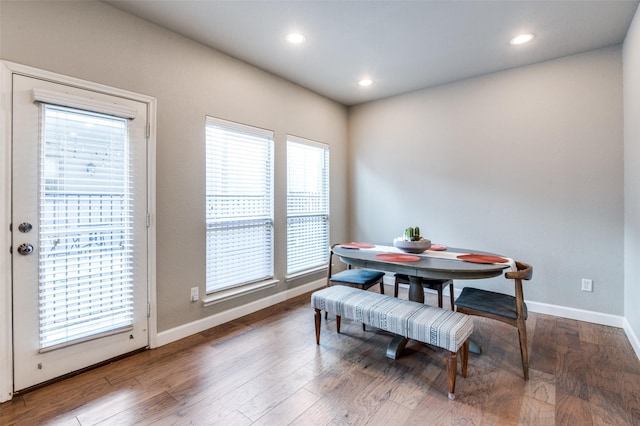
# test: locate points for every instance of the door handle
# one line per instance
(25, 249)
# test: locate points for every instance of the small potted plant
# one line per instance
(411, 241)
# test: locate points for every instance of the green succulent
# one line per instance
(412, 234)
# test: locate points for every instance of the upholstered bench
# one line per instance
(435, 326)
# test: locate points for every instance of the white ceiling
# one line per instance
(401, 45)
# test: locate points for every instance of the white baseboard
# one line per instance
(177, 333)
(576, 314)
(555, 310)
(633, 338)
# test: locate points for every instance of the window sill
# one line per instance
(305, 273)
(232, 293)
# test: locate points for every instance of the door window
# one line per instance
(86, 281)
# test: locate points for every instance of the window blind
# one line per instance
(239, 204)
(53, 97)
(307, 204)
(86, 226)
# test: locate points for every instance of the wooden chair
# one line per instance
(432, 284)
(352, 277)
(502, 307)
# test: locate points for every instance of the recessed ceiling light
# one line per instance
(522, 39)
(365, 82)
(295, 38)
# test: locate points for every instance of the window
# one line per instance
(307, 204)
(86, 226)
(239, 216)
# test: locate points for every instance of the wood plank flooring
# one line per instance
(265, 369)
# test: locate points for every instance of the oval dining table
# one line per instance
(425, 267)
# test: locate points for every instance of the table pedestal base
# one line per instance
(416, 292)
(396, 346)
(398, 343)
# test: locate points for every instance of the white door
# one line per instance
(79, 228)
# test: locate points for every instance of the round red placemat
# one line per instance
(394, 257)
(437, 247)
(357, 245)
(482, 258)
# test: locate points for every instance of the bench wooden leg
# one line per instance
(452, 371)
(465, 358)
(318, 318)
(338, 323)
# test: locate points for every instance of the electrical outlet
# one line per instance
(587, 285)
(194, 294)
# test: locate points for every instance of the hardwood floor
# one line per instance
(265, 369)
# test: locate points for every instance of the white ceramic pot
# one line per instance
(412, 246)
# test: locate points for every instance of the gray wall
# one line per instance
(526, 162)
(95, 42)
(631, 57)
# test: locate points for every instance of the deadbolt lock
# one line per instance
(25, 227)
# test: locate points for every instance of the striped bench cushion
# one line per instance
(439, 327)
(435, 326)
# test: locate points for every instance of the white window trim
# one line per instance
(234, 290)
(7, 70)
(308, 142)
(323, 146)
(306, 272)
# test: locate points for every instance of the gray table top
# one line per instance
(426, 267)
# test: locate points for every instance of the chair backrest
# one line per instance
(524, 272)
(330, 262)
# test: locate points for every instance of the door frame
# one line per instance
(7, 70)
